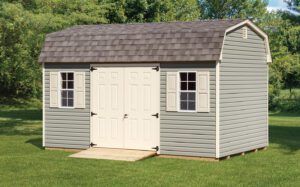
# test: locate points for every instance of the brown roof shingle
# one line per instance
(142, 42)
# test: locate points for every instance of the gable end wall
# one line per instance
(243, 94)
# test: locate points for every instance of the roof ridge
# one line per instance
(163, 22)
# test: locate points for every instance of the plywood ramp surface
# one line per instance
(113, 154)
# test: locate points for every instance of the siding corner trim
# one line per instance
(43, 92)
(218, 109)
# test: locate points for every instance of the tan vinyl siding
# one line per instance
(188, 133)
(67, 128)
(243, 94)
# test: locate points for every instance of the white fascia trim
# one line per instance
(43, 82)
(257, 30)
(218, 109)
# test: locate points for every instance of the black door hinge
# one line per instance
(93, 68)
(92, 113)
(92, 144)
(156, 115)
(156, 68)
(156, 148)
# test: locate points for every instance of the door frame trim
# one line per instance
(110, 65)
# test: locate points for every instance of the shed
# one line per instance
(181, 88)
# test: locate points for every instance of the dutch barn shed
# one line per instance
(183, 88)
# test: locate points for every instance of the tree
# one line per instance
(292, 73)
(17, 68)
(24, 24)
(22, 33)
(284, 72)
(219, 9)
(294, 5)
(152, 10)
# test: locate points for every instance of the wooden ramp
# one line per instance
(113, 154)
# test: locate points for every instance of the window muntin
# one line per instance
(187, 92)
(67, 89)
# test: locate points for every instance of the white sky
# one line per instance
(278, 5)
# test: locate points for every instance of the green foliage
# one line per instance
(284, 72)
(294, 4)
(18, 76)
(288, 101)
(216, 9)
(24, 24)
(289, 105)
(284, 39)
(153, 10)
(275, 84)
(288, 68)
(22, 33)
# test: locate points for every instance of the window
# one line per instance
(187, 91)
(67, 89)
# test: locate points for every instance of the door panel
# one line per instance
(141, 102)
(108, 104)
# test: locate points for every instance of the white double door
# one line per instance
(125, 100)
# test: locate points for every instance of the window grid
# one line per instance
(67, 89)
(187, 91)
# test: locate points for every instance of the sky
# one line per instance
(277, 5)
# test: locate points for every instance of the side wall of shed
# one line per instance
(188, 133)
(66, 127)
(243, 94)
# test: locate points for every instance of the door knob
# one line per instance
(125, 115)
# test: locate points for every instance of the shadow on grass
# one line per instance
(288, 137)
(20, 122)
(16, 127)
(23, 114)
(36, 142)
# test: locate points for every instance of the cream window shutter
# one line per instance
(79, 85)
(171, 92)
(203, 98)
(54, 90)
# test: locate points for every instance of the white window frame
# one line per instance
(179, 90)
(60, 89)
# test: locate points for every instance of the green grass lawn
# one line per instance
(23, 161)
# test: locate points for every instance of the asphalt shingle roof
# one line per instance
(142, 42)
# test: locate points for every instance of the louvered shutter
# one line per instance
(203, 97)
(79, 85)
(171, 92)
(54, 91)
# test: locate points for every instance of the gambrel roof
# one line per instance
(141, 42)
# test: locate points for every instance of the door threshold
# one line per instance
(114, 154)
